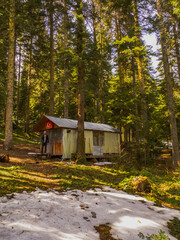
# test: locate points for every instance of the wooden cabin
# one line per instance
(100, 139)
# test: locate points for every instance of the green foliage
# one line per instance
(165, 187)
(123, 162)
(176, 8)
(174, 228)
(104, 232)
(160, 236)
(125, 184)
(109, 54)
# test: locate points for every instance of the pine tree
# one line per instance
(8, 143)
(169, 88)
(51, 23)
(66, 80)
(80, 72)
(139, 60)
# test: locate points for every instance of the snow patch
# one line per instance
(73, 214)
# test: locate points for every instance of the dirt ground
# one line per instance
(19, 154)
(19, 157)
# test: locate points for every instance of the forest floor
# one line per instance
(26, 180)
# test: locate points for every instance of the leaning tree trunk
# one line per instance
(173, 127)
(51, 104)
(80, 45)
(10, 83)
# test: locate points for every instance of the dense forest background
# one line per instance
(65, 57)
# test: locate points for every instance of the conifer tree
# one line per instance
(80, 75)
(66, 80)
(139, 60)
(8, 143)
(51, 24)
(169, 88)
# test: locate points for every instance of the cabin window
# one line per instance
(98, 138)
(68, 131)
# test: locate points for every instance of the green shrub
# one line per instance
(174, 227)
(161, 236)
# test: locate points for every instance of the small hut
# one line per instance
(100, 139)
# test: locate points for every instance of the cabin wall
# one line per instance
(55, 141)
(69, 142)
(88, 135)
(64, 142)
(111, 143)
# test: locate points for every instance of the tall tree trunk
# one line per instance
(18, 86)
(176, 43)
(118, 37)
(66, 94)
(27, 116)
(139, 61)
(51, 21)
(101, 77)
(95, 61)
(66, 80)
(173, 127)
(174, 20)
(94, 23)
(135, 103)
(8, 143)
(80, 67)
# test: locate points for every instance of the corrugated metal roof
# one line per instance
(69, 123)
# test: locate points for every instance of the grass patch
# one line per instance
(19, 137)
(19, 176)
(104, 232)
(59, 176)
(64, 176)
(19, 179)
(85, 177)
(165, 187)
(160, 236)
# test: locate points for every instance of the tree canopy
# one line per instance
(87, 60)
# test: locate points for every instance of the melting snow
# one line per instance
(72, 215)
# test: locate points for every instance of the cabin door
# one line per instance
(98, 142)
(55, 141)
(57, 148)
